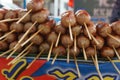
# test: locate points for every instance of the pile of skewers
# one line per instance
(31, 31)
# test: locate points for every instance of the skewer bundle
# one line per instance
(34, 32)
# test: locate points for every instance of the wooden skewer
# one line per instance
(20, 57)
(75, 43)
(35, 59)
(54, 58)
(21, 53)
(58, 38)
(87, 31)
(8, 20)
(114, 65)
(76, 64)
(95, 39)
(97, 68)
(116, 53)
(26, 33)
(113, 37)
(96, 59)
(12, 52)
(31, 37)
(97, 64)
(84, 53)
(4, 39)
(4, 53)
(23, 17)
(49, 54)
(70, 31)
(7, 34)
(68, 54)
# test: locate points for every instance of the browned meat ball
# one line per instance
(28, 25)
(13, 44)
(26, 19)
(20, 36)
(66, 41)
(35, 5)
(83, 42)
(46, 27)
(44, 46)
(3, 46)
(76, 30)
(112, 42)
(11, 14)
(107, 52)
(82, 16)
(52, 37)
(40, 16)
(33, 49)
(59, 50)
(12, 37)
(37, 40)
(59, 29)
(90, 51)
(91, 27)
(3, 27)
(2, 13)
(116, 27)
(68, 18)
(103, 29)
(100, 40)
(17, 27)
(73, 52)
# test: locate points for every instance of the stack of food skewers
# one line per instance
(31, 31)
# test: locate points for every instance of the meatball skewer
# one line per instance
(10, 48)
(7, 34)
(60, 30)
(60, 50)
(108, 53)
(104, 30)
(68, 20)
(25, 34)
(52, 37)
(32, 6)
(114, 44)
(83, 42)
(44, 47)
(76, 31)
(14, 28)
(101, 42)
(92, 30)
(82, 18)
(21, 53)
(43, 29)
(23, 17)
(74, 54)
(39, 30)
(91, 52)
(67, 42)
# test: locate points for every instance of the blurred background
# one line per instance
(98, 9)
